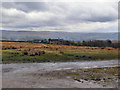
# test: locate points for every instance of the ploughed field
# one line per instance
(25, 52)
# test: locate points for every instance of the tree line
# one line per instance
(91, 43)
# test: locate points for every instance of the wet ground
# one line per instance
(24, 75)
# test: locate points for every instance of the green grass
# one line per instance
(93, 55)
(10, 56)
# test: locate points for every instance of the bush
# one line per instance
(33, 52)
(24, 52)
(61, 52)
(102, 48)
(13, 48)
(41, 52)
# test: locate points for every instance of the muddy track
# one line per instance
(17, 75)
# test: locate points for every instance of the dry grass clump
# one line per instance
(25, 52)
(102, 47)
(8, 47)
(32, 52)
(61, 52)
(109, 48)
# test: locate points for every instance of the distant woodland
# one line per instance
(92, 43)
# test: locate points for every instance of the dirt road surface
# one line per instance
(19, 75)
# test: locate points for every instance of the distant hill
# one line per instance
(30, 35)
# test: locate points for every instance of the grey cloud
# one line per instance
(93, 13)
(26, 6)
(56, 14)
(103, 19)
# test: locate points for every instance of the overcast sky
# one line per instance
(61, 16)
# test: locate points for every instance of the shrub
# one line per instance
(24, 52)
(41, 52)
(102, 48)
(61, 52)
(4, 48)
(33, 52)
(21, 47)
(56, 48)
(13, 47)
